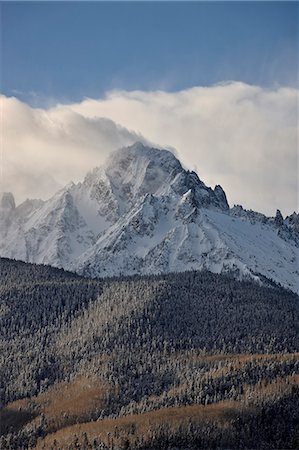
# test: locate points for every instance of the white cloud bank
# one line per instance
(242, 137)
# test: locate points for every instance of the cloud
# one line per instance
(45, 149)
(240, 136)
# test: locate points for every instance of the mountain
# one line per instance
(143, 213)
(188, 360)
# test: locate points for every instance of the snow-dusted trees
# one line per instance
(194, 338)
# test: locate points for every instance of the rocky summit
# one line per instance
(143, 213)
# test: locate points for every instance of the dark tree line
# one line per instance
(155, 333)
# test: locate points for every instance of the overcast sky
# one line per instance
(217, 82)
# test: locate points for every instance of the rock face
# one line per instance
(142, 212)
(278, 219)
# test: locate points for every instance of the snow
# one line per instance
(259, 248)
(143, 213)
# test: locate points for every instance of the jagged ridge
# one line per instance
(142, 212)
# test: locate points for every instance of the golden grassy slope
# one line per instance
(69, 409)
(62, 404)
(122, 427)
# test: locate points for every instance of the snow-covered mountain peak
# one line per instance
(131, 172)
(142, 212)
(139, 153)
(139, 170)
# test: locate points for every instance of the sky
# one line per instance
(215, 81)
(67, 51)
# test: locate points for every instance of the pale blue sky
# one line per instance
(68, 50)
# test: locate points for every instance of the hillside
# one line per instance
(128, 358)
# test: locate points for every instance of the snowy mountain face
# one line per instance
(142, 212)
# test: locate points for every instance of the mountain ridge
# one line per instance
(142, 213)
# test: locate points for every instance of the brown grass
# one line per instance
(62, 404)
(241, 358)
(265, 392)
(69, 408)
(81, 396)
(223, 412)
(232, 363)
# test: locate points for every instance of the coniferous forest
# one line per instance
(190, 360)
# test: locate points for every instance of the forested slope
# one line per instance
(75, 350)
